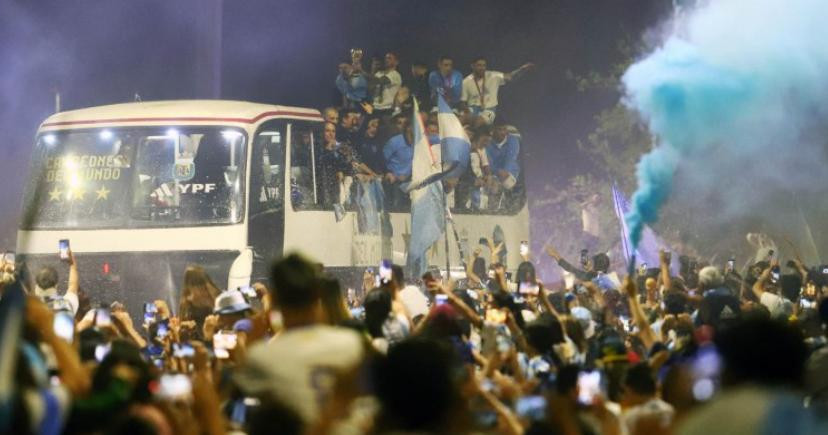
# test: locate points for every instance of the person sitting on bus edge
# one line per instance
(503, 152)
(46, 282)
(399, 155)
(352, 82)
(335, 170)
(446, 81)
(481, 87)
(479, 179)
(386, 83)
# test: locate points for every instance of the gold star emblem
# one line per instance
(54, 195)
(103, 193)
(76, 193)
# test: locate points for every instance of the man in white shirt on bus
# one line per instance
(386, 84)
(310, 367)
(481, 87)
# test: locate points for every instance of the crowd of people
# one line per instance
(368, 139)
(709, 348)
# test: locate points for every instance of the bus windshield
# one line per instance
(136, 177)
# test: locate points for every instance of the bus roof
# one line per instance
(177, 111)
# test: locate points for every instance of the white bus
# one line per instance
(143, 189)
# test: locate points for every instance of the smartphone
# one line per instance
(668, 256)
(163, 329)
(532, 408)
(183, 350)
(9, 257)
(385, 271)
(175, 387)
(731, 265)
(524, 248)
(528, 288)
(642, 270)
(589, 386)
(102, 317)
(584, 257)
(805, 304)
(101, 351)
(63, 249)
(223, 342)
(483, 241)
(64, 326)
(440, 299)
(150, 312)
(775, 274)
(825, 270)
(491, 274)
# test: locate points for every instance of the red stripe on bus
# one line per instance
(187, 119)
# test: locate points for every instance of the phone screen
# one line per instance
(163, 329)
(101, 351)
(64, 325)
(731, 265)
(102, 317)
(63, 249)
(175, 387)
(528, 288)
(584, 257)
(589, 386)
(183, 350)
(532, 408)
(223, 341)
(385, 271)
(524, 248)
(150, 311)
(440, 299)
(775, 274)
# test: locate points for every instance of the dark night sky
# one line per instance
(286, 52)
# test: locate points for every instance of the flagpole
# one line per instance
(445, 213)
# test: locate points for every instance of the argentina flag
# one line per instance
(454, 142)
(651, 243)
(427, 209)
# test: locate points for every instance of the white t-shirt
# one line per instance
(385, 99)
(777, 305)
(488, 86)
(300, 366)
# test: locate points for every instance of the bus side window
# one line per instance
(304, 163)
(266, 170)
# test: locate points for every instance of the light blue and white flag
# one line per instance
(651, 243)
(427, 205)
(455, 144)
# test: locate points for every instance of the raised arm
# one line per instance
(509, 76)
(759, 286)
(74, 277)
(664, 265)
(644, 331)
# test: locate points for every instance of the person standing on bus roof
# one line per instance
(446, 81)
(386, 84)
(481, 88)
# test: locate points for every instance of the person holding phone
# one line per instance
(46, 279)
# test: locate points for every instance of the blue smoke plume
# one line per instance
(732, 78)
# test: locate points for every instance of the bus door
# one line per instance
(266, 221)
